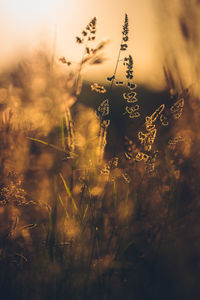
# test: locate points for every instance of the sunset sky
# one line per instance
(27, 24)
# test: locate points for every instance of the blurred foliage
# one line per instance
(97, 202)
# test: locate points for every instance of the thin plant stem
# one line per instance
(79, 71)
(115, 71)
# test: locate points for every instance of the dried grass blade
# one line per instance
(62, 203)
(47, 144)
(85, 211)
(68, 192)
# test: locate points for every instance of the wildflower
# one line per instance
(126, 177)
(156, 113)
(142, 156)
(103, 109)
(123, 47)
(130, 97)
(98, 88)
(128, 61)
(84, 33)
(111, 164)
(125, 29)
(119, 82)
(111, 78)
(64, 61)
(177, 108)
(79, 40)
(88, 32)
(164, 120)
(132, 110)
(131, 86)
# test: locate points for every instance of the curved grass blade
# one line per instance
(62, 203)
(85, 212)
(47, 144)
(68, 192)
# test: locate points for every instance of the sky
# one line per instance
(26, 24)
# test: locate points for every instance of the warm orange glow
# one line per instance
(24, 24)
(99, 182)
(31, 11)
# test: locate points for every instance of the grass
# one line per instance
(91, 209)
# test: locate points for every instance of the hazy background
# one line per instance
(25, 25)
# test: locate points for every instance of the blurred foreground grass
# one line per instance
(99, 199)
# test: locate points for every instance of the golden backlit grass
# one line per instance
(77, 220)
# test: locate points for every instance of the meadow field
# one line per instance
(99, 183)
